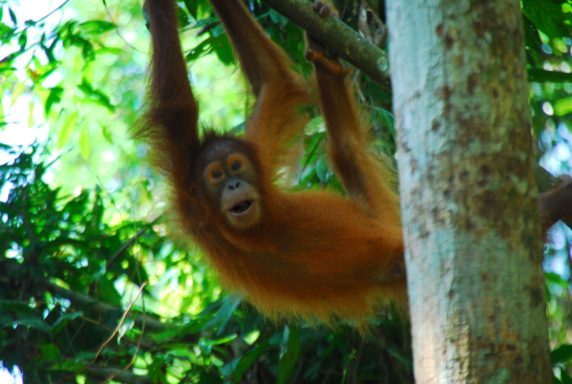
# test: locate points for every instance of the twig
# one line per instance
(121, 321)
(131, 241)
(81, 299)
(51, 12)
(118, 374)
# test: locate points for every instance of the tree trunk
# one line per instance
(468, 192)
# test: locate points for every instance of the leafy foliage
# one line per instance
(70, 306)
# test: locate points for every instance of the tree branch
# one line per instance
(348, 44)
(151, 323)
(117, 374)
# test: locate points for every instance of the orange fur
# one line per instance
(316, 255)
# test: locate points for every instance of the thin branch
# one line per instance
(131, 241)
(52, 12)
(118, 30)
(139, 339)
(118, 375)
(121, 321)
(337, 37)
(83, 300)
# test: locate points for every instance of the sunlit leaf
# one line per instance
(31, 109)
(54, 97)
(192, 6)
(106, 132)
(17, 92)
(96, 27)
(23, 39)
(6, 32)
(49, 48)
(68, 127)
(96, 95)
(563, 107)
(84, 143)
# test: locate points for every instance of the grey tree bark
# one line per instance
(468, 192)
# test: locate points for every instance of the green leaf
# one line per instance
(236, 368)
(17, 91)
(87, 50)
(96, 96)
(556, 279)
(563, 107)
(13, 16)
(200, 50)
(208, 377)
(84, 143)
(108, 293)
(69, 125)
(106, 133)
(224, 314)
(49, 49)
(17, 307)
(23, 39)
(532, 41)
(541, 75)
(50, 352)
(386, 117)
(193, 7)
(399, 356)
(54, 97)
(277, 18)
(31, 322)
(289, 359)
(565, 377)
(323, 170)
(65, 319)
(6, 33)
(166, 335)
(562, 354)
(221, 46)
(548, 16)
(96, 27)
(71, 365)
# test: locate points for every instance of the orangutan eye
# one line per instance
(236, 165)
(216, 174)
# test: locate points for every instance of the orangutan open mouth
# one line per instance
(241, 207)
